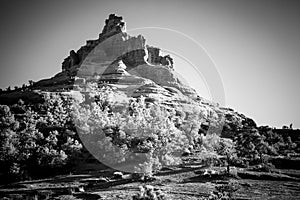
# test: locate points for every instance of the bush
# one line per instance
(148, 193)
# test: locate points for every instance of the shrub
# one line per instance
(250, 144)
(148, 192)
(226, 191)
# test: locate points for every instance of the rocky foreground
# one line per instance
(188, 181)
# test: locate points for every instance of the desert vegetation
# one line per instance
(36, 140)
(39, 138)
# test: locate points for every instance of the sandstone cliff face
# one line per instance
(115, 44)
(164, 76)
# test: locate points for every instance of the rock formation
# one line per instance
(113, 25)
(133, 51)
(134, 68)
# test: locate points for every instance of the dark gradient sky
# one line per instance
(255, 44)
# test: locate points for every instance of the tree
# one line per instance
(33, 143)
(252, 145)
(191, 125)
(143, 139)
(8, 142)
(31, 82)
(226, 147)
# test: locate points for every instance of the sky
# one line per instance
(247, 50)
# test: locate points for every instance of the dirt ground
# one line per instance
(182, 182)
